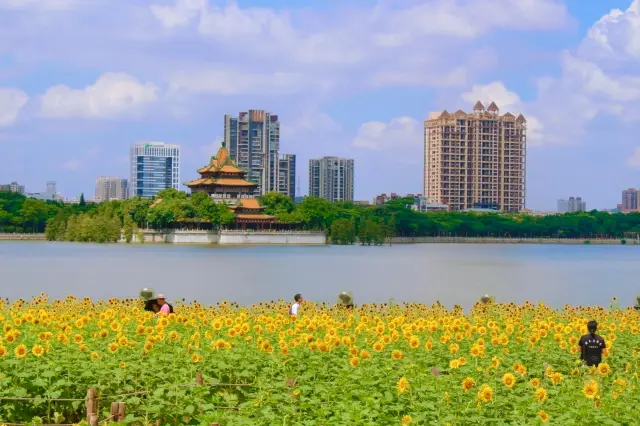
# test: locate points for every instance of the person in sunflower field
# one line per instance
(165, 308)
(591, 346)
(293, 310)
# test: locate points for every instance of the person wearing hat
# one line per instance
(165, 309)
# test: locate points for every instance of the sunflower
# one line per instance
(604, 369)
(37, 350)
(428, 345)
(3, 351)
(535, 382)
(590, 389)
(21, 351)
(454, 363)
(397, 355)
(414, 342)
(378, 347)
(467, 384)
(454, 348)
(544, 417)
(541, 394)
(123, 364)
(556, 378)
(485, 394)
(509, 380)
(403, 385)
(365, 354)
(113, 347)
(354, 361)
(95, 356)
(406, 419)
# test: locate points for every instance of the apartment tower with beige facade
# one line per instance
(476, 160)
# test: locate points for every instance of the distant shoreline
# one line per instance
(494, 240)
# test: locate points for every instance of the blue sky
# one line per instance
(81, 80)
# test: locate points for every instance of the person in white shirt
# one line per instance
(296, 306)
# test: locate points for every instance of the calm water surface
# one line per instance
(450, 273)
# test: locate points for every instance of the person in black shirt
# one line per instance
(591, 346)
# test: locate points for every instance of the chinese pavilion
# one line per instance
(226, 183)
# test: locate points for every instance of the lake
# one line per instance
(425, 273)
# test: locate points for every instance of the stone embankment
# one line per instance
(23, 237)
(227, 237)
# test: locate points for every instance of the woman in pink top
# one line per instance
(165, 309)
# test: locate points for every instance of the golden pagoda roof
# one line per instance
(221, 182)
(248, 203)
(221, 162)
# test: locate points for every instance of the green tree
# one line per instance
(56, 227)
(343, 231)
(128, 228)
(277, 204)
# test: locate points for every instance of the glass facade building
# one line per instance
(153, 167)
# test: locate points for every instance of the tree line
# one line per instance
(343, 222)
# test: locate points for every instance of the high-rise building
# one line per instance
(630, 200)
(331, 178)
(475, 160)
(111, 188)
(287, 175)
(51, 194)
(573, 204)
(253, 139)
(154, 166)
(12, 187)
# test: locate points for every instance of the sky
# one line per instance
(81, 80)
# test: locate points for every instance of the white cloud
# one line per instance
(112, 94)
(11, 102)
(391, 44)
(472, 18)
(509, 101)
(397, 133)
(598, 78)
(614, 36)
(178, 15)
(634, 160)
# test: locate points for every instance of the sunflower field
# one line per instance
(384, 364)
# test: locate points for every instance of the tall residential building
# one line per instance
(475, 160)
(630, 199)
(111, 188)
(573, 204)
(153, 166)
(13, 187)
(331, 178)
(287, 175)
(253, 139)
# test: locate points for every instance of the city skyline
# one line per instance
(76, 90)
